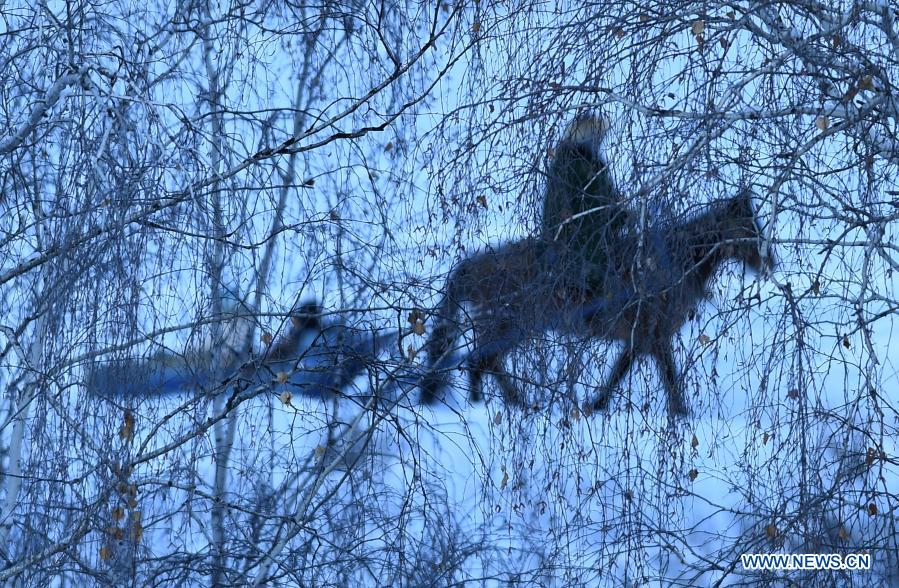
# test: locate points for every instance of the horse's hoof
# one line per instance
(430, 386)
(678, 409)
(513, 399)
(601, 404)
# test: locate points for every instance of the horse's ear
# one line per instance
(307, 315)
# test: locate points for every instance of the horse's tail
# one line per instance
(444, 334)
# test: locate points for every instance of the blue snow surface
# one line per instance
(551, 495)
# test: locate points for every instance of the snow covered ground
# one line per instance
(553, 496)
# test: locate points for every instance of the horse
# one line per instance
(654, 281)
(317, 356)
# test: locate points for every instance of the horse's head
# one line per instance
(306, 316)
(742, 234)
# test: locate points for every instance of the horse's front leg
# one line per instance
(677, 404)
(622, 365)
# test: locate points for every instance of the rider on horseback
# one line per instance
(583, 213)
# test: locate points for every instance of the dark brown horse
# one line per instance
(653, 282)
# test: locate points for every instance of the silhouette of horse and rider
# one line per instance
(590, 273)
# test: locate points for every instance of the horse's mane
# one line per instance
(683, 248)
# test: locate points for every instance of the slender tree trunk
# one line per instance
(13, 476)
(225, 429)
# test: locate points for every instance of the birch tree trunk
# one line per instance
(225, 428)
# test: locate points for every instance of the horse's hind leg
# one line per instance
(511, 394)
(431, 385)
(495, 338)
(677, 404)
(622, 365)
(475, 382)
(492, 364)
